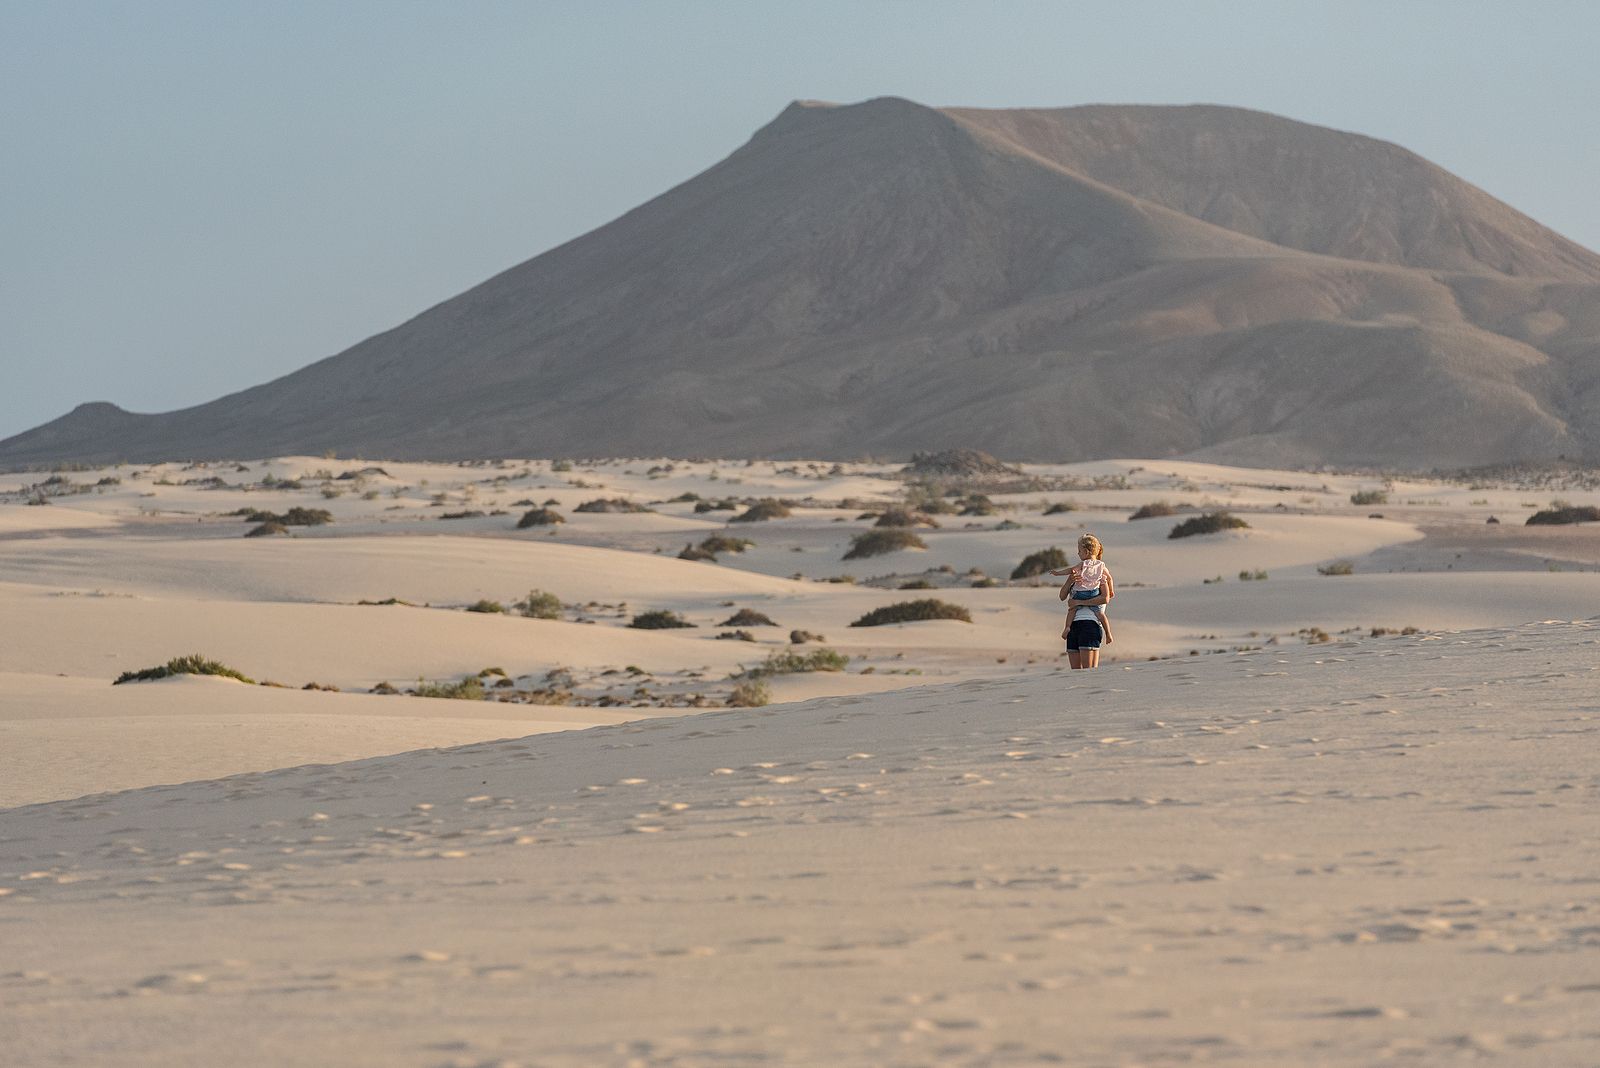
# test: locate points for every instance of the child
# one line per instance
(1088, 579)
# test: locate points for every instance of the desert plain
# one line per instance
(1329, 798)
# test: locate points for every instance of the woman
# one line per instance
(1084, 632)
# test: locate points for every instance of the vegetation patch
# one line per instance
(486, 606)
(736, 635)
(748, 617)
(1208, 523)
(540, 517)
(763, 510)
(1061, 506)
(691, 553)
(468, 689)
(791, 663)
(470, 513)
(1369, 497)
(721, 543)
(878, 541)
(727, 504)
(904, 517)
(193, 664)
(266, 529)
(1153, 510)
(611, 504)
(913, 612)
(1338, 567)
(1051, 559)
(659, 619)
(959, 463)
(539, 605)
(751, 693)
(800, 637)
(1560, 513)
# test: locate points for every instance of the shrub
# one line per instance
(540, 517)
(724, 505)
(471, 513)
(1252, 576)
(736, 635)
(984, 583)
(306, 517)
(748, 617)
(1208, 523)
(468, 689)
(913, 612)
(877, 542)
(721, 543)
(901, 517)
(788, 663)
(800, 637)
(1038, 563)
(751, 693)
(266, 529)
(611, 504)
(560, 466)
(1561, 513)
(1369, 497)
(976, 504)
(1338, 567)
(193, 664)
(763, 510)
(539, 605)
(1153, 510)
(486, 606)
(691, 553)
(917, 584)
(659, 619)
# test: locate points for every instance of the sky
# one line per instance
(197, 197)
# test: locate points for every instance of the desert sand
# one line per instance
(1260, 833)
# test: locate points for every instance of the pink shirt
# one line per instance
(1091, 575)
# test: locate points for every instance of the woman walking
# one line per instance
(1087, 591)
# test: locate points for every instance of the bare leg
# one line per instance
(1075, 658)
(1091, 657)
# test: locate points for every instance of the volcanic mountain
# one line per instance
(1065, 284)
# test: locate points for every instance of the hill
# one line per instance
(884, 278)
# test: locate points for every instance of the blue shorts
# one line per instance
(1084, 634)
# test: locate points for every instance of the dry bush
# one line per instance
(913, 612)
(877, 542)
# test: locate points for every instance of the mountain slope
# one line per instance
(885, 277)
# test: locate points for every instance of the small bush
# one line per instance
(1561, 513)
(1153, 510)
(877, 542)
(193, 664)
(913, 612)
(917, 584)
(471, 513)
(266, 529)
(1061, 506)
(901, 517)
(763, 510)
(748, 617)
(1051, 559)
(486, 606)
(788, 663)
(1252, 576)
(724, 505)
(611, 504)
(1338, 567)
(307, 517)
(976, 504)
(1208, 523)
(540, 517)
(468, 689)
(800, 637)
(660, 619)
(539, 605)
(721, 543)
(691, 553)
(1369, 497)
(751, 693)
(736, 635)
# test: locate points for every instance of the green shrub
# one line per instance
(1369, 497)
(721, 543)
(790, 663)
(1153, 510)
(611, 504)
(1561, 513)
(266, 529)
(193, 664)
(1208, 523)
(486, 606)
(539, 605)
(877, 542)
(306, 517)
(540, 517)
(748, 617)
(901, 517)
(560, 466)
(727, 504)
(659, 619)
(763, 510)
(1252, 576)
(1051, 559)
(913, 612)
(751, 693)
(468, 689)
(1338, 567)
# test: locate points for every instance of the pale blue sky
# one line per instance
(196, 197)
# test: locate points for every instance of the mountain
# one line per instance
(1066, 284)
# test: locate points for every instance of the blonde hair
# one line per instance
(1092, 544)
